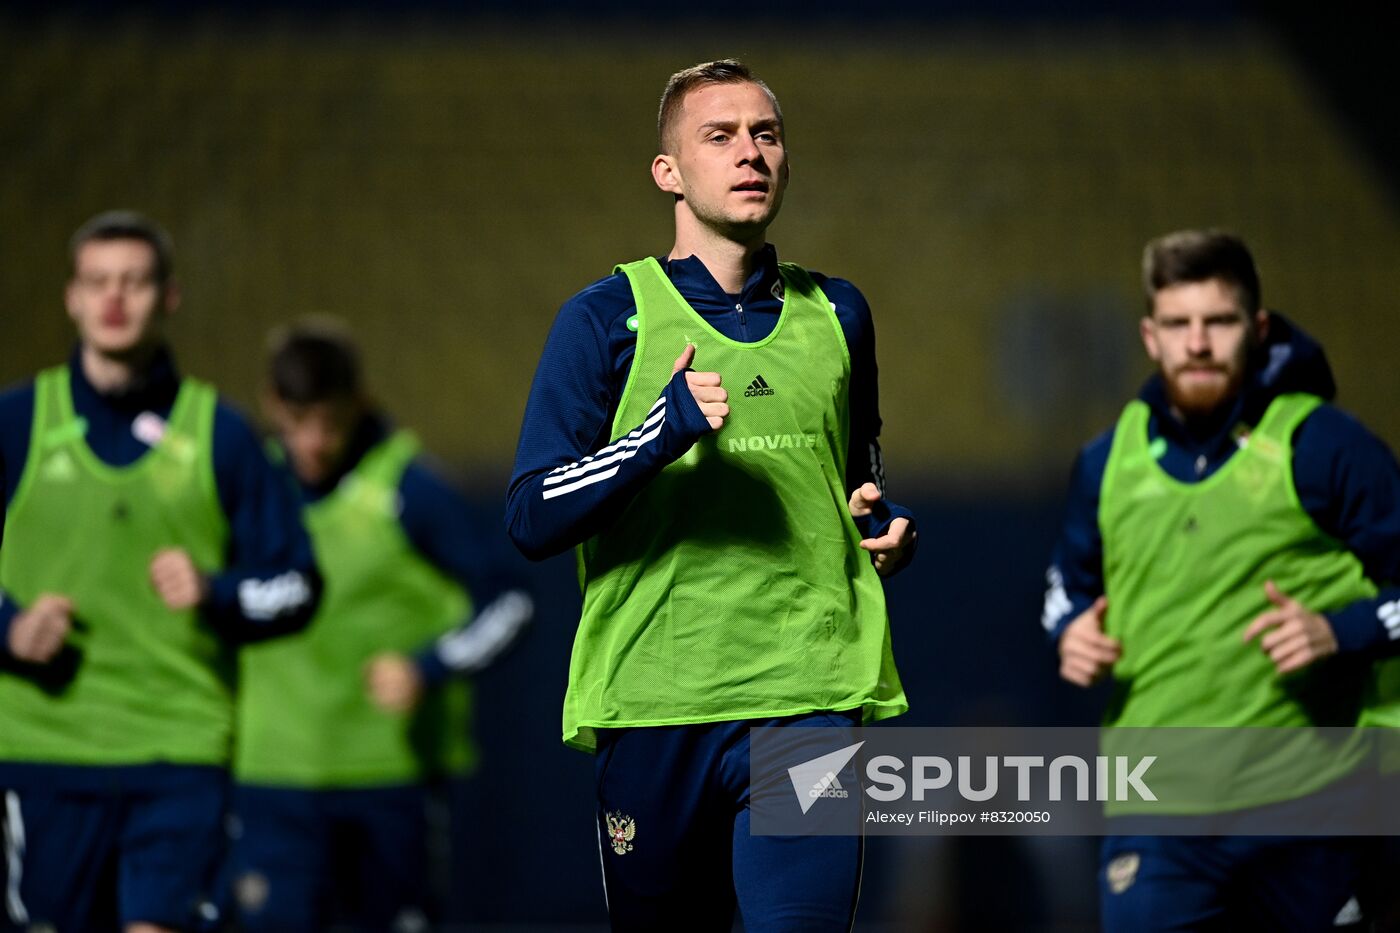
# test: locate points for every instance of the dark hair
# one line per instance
(724, 71)
(125, 225)
(313, 360)
(1197, 256)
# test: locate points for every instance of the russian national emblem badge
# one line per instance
(1122, 872)
(621, 829)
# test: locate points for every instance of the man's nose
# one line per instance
(1197, 341)
(748, 150)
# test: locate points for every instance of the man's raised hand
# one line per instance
(889, 548)
(704, 388)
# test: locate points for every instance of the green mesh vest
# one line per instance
(1383, 701)
(732, 587)
(1185, 567)
(1382, 712)
(304, 718)
(149, 684)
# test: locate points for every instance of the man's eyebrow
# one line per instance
(769, 123)
(717, 125)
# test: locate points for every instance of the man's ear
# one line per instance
(1147, 330)
(170, 299)
(70, 303)
(666, 173)
(1261, 326)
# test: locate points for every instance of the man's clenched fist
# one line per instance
(393, 682)
(37, 634)
(177, 580)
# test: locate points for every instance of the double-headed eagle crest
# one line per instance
(621, 829)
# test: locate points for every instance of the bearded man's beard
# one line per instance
(1196, 398)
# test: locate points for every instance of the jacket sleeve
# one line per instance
(865, 462)
(1349, 482)
(1075, 578)
(571, 478)
(270, 585)
(16, 420)
(439, 524)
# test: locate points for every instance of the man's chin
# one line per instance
(122, 348)
(742, 225)
(1198, 401)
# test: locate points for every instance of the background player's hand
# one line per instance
(177, 580)
(704, 388)
(1086, 653)
(393, 682)
(37, 634)
(888, 549)
(1294, 636)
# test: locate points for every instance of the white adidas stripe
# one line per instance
(625, 441)
(652, 415)
(1389, 614)
(586, 481)
(265, 600)
(619, 450)
(616, 460)
(14, 856)
(1057, 601)
(495, 628)
(618, 457)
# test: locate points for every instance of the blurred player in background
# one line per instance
(1222, 543)
(145, 535)
(341, 726)
(704, 425)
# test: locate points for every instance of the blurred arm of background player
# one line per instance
(1075, 606)
(571, 479)
(1348, 482)
(437, 522)
(269, 586)
(36, 635)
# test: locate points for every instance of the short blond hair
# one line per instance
(723, 71)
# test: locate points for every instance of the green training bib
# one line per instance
(732, 587)
(148, 684)
(304, 718)
(1185, 567)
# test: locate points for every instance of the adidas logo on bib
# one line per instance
(759, 386)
